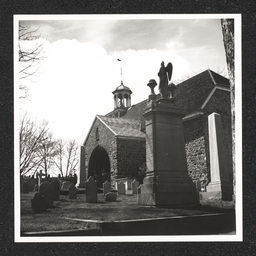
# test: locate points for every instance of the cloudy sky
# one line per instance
(80, 68)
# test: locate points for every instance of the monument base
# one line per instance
(220, 190)
(172, 190)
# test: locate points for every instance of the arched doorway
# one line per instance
(99, 166)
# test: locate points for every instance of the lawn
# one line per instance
(125, 208)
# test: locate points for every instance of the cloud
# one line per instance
(78, 79)
(81, 70)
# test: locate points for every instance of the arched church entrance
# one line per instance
(99, 166)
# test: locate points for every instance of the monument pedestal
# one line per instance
(167, 181)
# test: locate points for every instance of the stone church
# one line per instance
(115, 146)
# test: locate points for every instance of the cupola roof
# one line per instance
(122, 88)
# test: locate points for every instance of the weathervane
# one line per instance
(121, 71)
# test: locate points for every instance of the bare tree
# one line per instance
(66, 159)
(60, 148)
(29, 56)
(72, 157)
(228, 39)
(46, 152)
(32, 136)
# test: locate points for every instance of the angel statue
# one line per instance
(165, 75)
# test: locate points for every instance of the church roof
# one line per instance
(191, 95)
(124, 127)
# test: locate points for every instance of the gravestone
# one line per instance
(65, 185)
(106, 187)
(36, 188)
(32, 182)
(138, 191)
(56, 189)
(39, 177)
(38, 203)
(110, 197)
(220, 185)
(135, 184)
(46, 190)
(91, 190)
(121, 188)
(25, 187)
(126, 181)
(82, 172)
(198, 185)
(72, 192)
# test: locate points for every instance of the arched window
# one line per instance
(97, 134)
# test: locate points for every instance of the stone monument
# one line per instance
(72, 192)
(91, 190)
(106, 187)
(167, 181)
(82, 172)
(221, 184)
(46, 190)
(120, 188)
(135, 184)
(39, 177)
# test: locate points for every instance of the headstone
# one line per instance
(135, 184)
(65, 185)
(25, 187)
(38, 203)
(72, 192)
(138, 192)
(106, 187)
(91, 190)
(126, 181)
(46, 190)
(198, 185)
(39, 177)
(220, 185)
(56, 189)
(36, 188)
(110, 197)
(32, 183)
(74, 179)
(82, 172)
(121, 188)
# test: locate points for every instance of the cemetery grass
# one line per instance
(62, 216)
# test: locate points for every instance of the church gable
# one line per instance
(123, 127)
(99, 135)
(191, 94)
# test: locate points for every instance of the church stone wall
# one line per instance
(197, 152)
(105, 139)
(197, 139)
(131, 157)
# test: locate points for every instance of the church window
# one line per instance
(97, 134)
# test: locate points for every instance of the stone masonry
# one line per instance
(197, 138)
(127, 150)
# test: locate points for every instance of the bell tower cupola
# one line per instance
(122, 99)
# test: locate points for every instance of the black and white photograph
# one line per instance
(128, 128)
